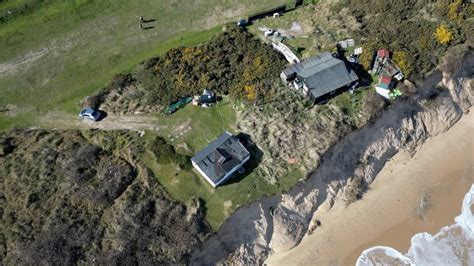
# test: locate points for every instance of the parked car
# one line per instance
(241, 22)
(90, 114)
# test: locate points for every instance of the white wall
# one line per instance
(222, 180)
(203, 174)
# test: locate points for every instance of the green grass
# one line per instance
(220, 202)
(75, 47)
(350, 103)
(205, 124)
(198, 125)
(89, 42)
(318, 33)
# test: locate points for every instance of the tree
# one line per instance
(443, 35)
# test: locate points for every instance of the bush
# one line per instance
(81, 165)
(443, 35)
(6, 146)
(368, 51)
(403, 61)
(233, 61)
(118, 83)
(95, 100)
(400, 28)
(165, 153)
(454, 11)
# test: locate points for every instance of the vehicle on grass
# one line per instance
(179, 104)
(89, 113)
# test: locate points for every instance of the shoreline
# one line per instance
(441, 171)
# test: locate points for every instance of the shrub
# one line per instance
(118, 83)
(403, 61)
(454, 11)
(443, 35)
(400, 28)
(165, 153)
(233, 61)
(81, 165)
(6, 146)
(96, 99)
(368, 51)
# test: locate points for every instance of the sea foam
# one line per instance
(452, 245)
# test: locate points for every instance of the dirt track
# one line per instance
(61, 120)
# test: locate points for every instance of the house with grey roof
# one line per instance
(220, 159)
(320, 76)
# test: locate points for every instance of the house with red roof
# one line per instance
(383, 65)
(383, 53)
(387, 71)
(384, 86)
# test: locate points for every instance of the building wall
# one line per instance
(222, 180)
(203, 174)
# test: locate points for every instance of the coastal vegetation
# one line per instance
(131, 196)
(234, 63)
(71, 197)
(417, 41)
(55, 53)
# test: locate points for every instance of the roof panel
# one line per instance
(329, 77)
(220, 156)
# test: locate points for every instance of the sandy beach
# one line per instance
(440, 174)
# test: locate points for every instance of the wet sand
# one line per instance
(441, 171)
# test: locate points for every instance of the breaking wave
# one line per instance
(452, 245)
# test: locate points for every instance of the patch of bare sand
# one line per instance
(441, 171)
(10, 67)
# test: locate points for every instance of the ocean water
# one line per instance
(452, 245)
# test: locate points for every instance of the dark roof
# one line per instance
(220, 156)
(207, 99)
(326, 75)
(208, 96)
(308, 63)
(209, 93)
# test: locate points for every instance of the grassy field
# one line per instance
(60, 51)
(316, 28)
(221, 201)
(194, 127)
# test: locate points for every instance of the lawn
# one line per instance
(58, 52)
(219, 202)
(194, 127)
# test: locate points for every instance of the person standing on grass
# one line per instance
(141, 19)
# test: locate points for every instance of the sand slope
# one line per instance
(441, 171)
